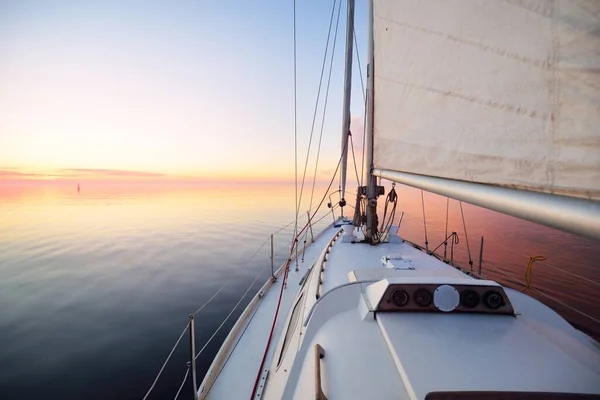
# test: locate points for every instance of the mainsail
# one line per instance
(502, 93)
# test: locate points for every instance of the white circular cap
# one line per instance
(446, 298)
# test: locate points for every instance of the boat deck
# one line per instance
(236, 379)
(394, 355)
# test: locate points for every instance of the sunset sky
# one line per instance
(142, 89)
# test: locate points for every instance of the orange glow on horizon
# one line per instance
(274, 175)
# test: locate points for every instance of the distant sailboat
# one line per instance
(494, 103)
(78, 188)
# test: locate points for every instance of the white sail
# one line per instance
(498, 92)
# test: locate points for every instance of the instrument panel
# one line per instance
(445, 298)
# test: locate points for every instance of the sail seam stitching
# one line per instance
(545, 12)
(488, 103)
(472, 43)
(555, 93)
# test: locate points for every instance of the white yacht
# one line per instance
(494, 103)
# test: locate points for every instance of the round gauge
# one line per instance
(423, 297)
(400, 297)
(469, 298)
(493, 299)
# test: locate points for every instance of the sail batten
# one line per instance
(504, 93)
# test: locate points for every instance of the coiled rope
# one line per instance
(546, 263)
(529, 271)
(386, 225)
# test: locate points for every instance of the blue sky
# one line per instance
(189, 88)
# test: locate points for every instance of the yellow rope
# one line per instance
(528, 272)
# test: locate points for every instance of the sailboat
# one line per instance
(494, 103)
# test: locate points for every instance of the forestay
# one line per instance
(498, 92)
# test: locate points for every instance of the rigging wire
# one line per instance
(232, 311)
(252, 316)
(362, 84)
(325, 103)
(424, 222)
(362, 160)
(552, 266)
(354, 159)
(364, 93)
(295, 128)
(543, 293)
(454, 240)
(166, 361)
(182, 383)
(362, 157)
(312, 128)
(231, 277)
(240, 269)
(215, 295)
(466, 237)
(446, 234)
(212, 298)
(568, 272)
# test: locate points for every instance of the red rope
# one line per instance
(270, 334)
(287, 266)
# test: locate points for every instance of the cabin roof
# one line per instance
(413, 354)
(399, 354)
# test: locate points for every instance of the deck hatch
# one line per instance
(290, 328)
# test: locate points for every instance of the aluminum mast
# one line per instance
(347, 95)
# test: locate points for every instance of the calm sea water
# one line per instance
(95, 287)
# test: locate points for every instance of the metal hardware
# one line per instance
(272, 261)
(296, 269)
(193, 356)
(303, 279)
(480, 257)
(262, 383)
(400, 220)
(368, 165)
(347, 94)
(312, 238)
